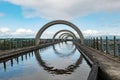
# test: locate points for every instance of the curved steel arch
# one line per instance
(68, 36)
(37, 39)
(63, 37)
(65, 34)
(64, 30)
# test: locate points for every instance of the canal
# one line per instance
(57, 62)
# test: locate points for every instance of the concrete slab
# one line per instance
(109, 66)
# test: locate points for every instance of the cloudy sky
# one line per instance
(23, 18)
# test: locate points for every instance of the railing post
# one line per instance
(89, 42)
(86, 42)
(4, 44)
(11, 43)
(34, 42)
(94, 43)
(22, 43)
(17, 43)
(0, 44)
(115, 47)
(101, 45)
(107, 46)
(97, 43)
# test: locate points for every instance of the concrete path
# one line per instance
(110, 67)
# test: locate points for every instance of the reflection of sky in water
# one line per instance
(18, 69)
(29, 69)
(65, 48)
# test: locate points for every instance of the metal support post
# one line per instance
(107, 46)
(115, 47)
(101, 45)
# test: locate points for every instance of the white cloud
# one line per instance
(4, 32)
(23, 31)
(4, 29)
(28, 33)
(64, 9)
(18, 33)
(2, 14)
(91, 32)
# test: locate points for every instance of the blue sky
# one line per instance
(23, 18)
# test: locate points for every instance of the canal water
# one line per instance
(57, 62)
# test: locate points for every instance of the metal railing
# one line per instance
(106, 45)
(14, 43)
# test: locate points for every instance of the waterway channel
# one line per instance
(57, 62)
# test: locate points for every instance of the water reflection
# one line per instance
(15, 59)
(63, 54)
(53, 70)
(46, 64)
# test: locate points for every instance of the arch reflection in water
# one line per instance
(62, 54)
(68, 70)
(15, 60)
(47, 66)
(61, 44)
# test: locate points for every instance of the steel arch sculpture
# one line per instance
(66, 34)
(64, 30)
(37, 38)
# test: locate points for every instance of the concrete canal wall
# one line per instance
(109, 67)
(7, 54)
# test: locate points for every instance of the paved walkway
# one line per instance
(110, 66)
